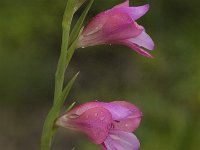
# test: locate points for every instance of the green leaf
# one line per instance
(75, 31)
(72, 48)
(70, 107)
(67, 88)
(79, 3)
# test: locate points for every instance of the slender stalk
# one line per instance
(67, 52)
(48, 129)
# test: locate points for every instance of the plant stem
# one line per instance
(48, 129)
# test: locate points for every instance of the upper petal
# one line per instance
(131, 122)
(118, 111)
(119, 140)
(99, 20)
(78, 110)
(134, 12)
(120, 26)
(126, 104)
(96, 23)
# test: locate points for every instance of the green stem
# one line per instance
(48, 128)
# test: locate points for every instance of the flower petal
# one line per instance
(99, 20)
(96, 23)
(130, 123)
(134, 12)
(127, 125)
(120, 26)
(95, 122)
(137, 12)
(135, 47)
(117, 26)
(119, 140)
(143, 40)
(78, 110)
(118, 112)
(126, 104)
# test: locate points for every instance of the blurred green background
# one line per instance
(166, 88)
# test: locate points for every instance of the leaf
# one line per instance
(66, 90)
(68, 87)
(75, 31)
(72, 48)
(79, 3)
(70, 107)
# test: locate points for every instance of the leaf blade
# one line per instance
(79, 23)
(68, 88)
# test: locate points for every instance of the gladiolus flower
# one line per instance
(118, 26)
(109, 124)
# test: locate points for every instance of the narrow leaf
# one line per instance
(75, 31)
(67, 88)
(79, 3)
(72, 49)
(70, 107)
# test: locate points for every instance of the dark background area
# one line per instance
(166, 88)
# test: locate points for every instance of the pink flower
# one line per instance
(118, 26)
(109, 124)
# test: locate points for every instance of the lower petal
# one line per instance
(143, 40)
(119, 140)
(135, 47)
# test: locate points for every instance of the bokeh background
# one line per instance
(166, 88)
